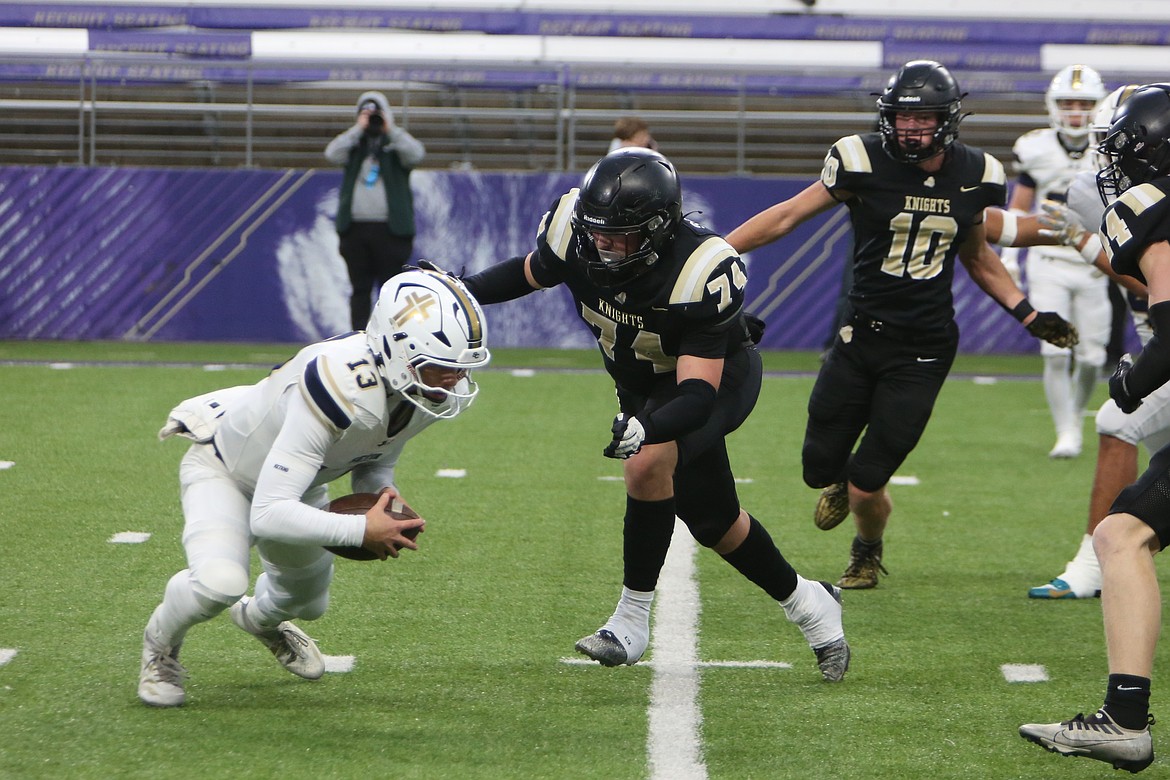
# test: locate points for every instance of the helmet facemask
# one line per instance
(617, 255)
(905, 145)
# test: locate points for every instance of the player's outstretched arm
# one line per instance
(781, 219)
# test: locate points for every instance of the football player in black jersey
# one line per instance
(1136, 234)
(664, 297)
(916, 198)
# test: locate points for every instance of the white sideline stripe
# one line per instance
(6, 464)
(985, 380)
(673, 743)
(1024, 673)
(908, 480)
(214, 367)
(129, 537)
(523, 372)
(60, 366)
(451, 473)
(7, 654)
(339, 663)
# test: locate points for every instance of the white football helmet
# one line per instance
(1074, 82)
(1104, 117)
(427, 319)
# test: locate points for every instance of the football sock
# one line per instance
(1083, 572)
(861, 545)
(646, 539)
(630, 622)
(1058, 390)
(1084, 380)
(180, 609)
(1127, 700)
(815, 611)
(758, 559)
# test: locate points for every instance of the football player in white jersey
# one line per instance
(263, 455)
(1058, 279)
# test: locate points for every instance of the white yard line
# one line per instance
(674, 743)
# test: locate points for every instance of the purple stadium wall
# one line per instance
(199, 255)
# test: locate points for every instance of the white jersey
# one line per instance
(324, 413)
(1051, 168)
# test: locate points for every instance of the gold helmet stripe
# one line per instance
(475, 327)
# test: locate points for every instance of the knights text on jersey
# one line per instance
(689, 303)
(1139, 217)
(908, 225)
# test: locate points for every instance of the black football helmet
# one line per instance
(926, 86)
(1137, 145)
(630, 192)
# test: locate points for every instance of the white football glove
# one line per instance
(628, 435)
(1059, 222)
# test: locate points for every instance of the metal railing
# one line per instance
(278, 115)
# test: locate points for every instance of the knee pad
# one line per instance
(707, 527)
(817, 471)
(315, 608)
(218, 584)
(1111, 421)
(301, 593)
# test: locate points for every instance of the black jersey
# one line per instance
(689, 303)
(1139, 217)
(908, 225)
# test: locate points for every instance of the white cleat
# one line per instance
(295, 649)
(1068, 445)
(160, 681)
(1095, 737)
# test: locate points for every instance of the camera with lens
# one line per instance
(376, 122)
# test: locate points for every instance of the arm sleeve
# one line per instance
(337, 152)
(682, 414)
(1151, 370)
(288, 473)
(498, 283)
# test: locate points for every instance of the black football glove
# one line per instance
(1054, 329)
(755, 327)
(1119, 386)
(628, 435)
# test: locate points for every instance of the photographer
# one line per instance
(375, 209)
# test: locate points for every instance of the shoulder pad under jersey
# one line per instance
(556, 228)
(993, 172)
(331, 390)
(712, 274)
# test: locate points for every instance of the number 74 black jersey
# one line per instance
(908, 225)
(1139, 217)
(690, 302)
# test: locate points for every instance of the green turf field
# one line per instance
(459, 647)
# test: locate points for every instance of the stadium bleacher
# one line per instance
(755, 88)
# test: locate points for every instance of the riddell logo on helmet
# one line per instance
(909, 99)
(594, 220)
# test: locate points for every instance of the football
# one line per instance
(359, 504)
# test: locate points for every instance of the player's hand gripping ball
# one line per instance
(359, 504)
